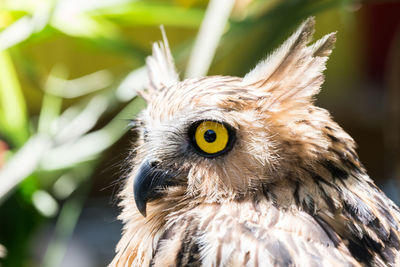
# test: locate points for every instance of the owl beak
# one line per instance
(147, 184)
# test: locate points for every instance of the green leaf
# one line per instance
(23, 28)
(7, 17)
(29, 186)
(89, 146)
(81, 25)
(51, 104)
(13, 115)
(152, 13)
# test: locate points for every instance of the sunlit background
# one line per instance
(69, 72)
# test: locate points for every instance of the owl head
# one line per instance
(219, 138)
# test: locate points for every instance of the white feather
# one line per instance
(160, 65)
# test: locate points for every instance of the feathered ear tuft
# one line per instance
(160, 66)
(294, 71)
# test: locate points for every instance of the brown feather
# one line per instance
(290, 192)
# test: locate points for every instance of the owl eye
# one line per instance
(211, 138)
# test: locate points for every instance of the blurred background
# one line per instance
(69, 72)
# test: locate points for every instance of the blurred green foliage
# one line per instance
(67, 66)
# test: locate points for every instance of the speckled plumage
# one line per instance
(291, 192)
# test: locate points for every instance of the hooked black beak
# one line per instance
(148, 181)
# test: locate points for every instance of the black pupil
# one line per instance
(210, 136)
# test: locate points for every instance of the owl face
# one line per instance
(221, 138)
(198, 134)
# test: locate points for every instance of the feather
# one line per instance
(294, 71)
(160, 66)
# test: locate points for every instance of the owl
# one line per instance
(247, 171)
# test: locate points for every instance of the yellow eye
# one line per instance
(211, 138)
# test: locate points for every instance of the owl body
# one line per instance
(234, 171)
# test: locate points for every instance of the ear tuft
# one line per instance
(281, 57)
(323, 47)
(160, 65)
(294, 71)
